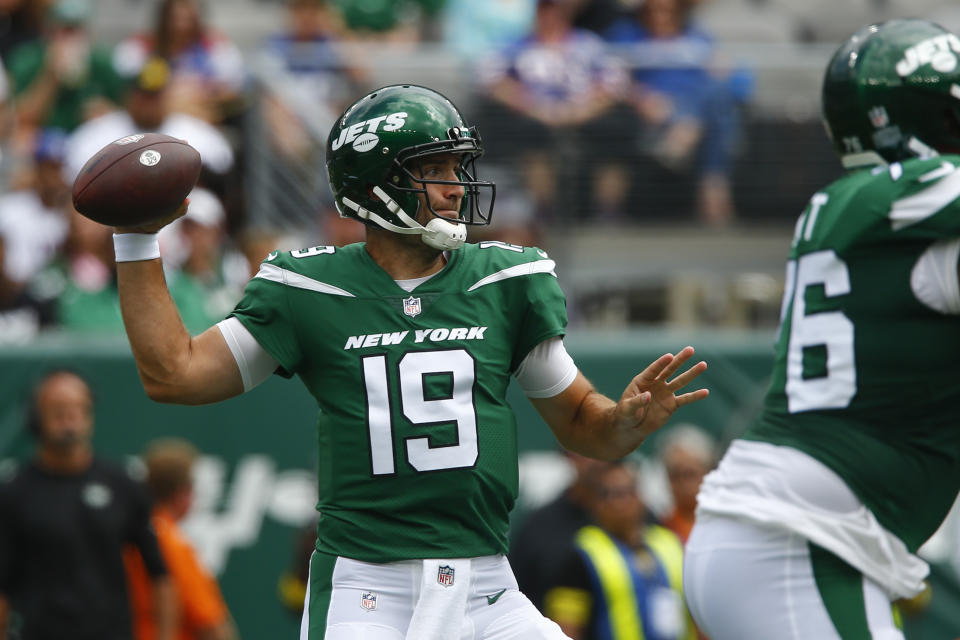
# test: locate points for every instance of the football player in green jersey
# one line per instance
(810, 525)
(407, 342)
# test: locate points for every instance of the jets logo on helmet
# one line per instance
(939, 52)
(374, 163)
(892, 92)
(356, 132)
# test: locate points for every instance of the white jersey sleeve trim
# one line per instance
(255, 364)
(934, 277)
(923, 204)
(547, 370)
(525, 269)
(273, 273)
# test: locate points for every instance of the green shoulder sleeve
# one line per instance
(265, 311)
(925, 198)
(532, 296)
(545, 304)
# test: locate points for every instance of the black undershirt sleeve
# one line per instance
(7, 543)
(141, 533)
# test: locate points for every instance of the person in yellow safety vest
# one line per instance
(623, 581)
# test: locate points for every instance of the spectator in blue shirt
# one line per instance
(478, 26)
(553, 100)
(690, 110)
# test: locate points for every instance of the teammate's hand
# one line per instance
(154, 227)
(650, 398)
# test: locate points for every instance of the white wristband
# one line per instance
(133, 247)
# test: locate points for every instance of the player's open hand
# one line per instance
(651, 397)
(153, 227)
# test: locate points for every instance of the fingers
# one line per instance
(180, 212)
(655, 368)
(687, 376)
(666, 365)
(631, 411)
(655, 379)
(629, 404)
(636, 402)
(687, 398)
(677, 362)
(154, 227)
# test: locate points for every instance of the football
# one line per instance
(136, 180)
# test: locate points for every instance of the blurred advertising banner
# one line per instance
(256, 481)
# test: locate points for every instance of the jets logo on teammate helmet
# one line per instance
(374, 153)
(892, 92)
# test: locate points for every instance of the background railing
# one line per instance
(657, 263)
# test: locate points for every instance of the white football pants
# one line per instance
(744, 581)
(352, 600)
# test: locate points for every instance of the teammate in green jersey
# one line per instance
(408, 343)
(810, 524)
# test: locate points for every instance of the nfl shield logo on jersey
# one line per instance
(445, 575)
(368, 600)
(411, 306)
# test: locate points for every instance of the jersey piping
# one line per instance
(919, 206)
(539, 266)
(424, 380)
(274, 273)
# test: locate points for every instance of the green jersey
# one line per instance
(417, 444)
(865, 376)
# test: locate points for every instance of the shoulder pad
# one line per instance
(326, 269)
(498, 261)
(304, 261)
(926, 170)
(294, 257)
(501, 253)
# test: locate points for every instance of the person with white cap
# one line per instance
(146, 109)
(64, 78)
(34, 220)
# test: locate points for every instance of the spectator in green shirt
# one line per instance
(205, 274)
(64, 78)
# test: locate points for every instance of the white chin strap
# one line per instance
(439, 233)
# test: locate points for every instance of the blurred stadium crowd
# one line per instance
(601, 115)
(661, 148)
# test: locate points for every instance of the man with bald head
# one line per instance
(66, 516)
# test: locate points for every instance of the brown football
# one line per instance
(136, 180)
